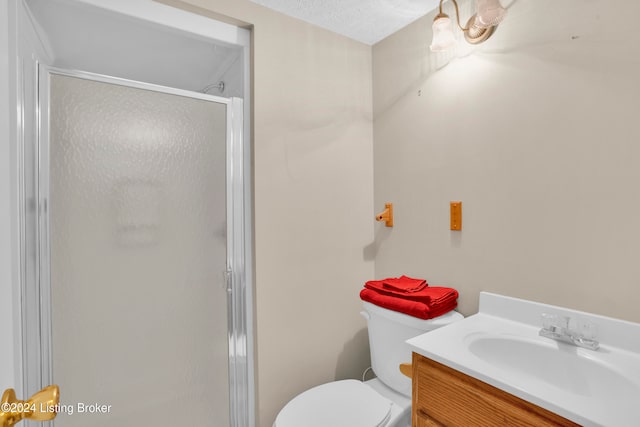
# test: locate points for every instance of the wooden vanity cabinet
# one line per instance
(445, 397)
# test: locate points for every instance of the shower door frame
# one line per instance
(37, 360)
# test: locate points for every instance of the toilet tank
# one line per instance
(388, 331)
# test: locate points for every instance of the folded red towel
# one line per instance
(399, 284)
(447, 301)
(429, 294)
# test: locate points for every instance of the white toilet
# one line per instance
(384, 401)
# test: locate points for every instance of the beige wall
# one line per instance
(533, 131)
(536, 133)
(313, 201)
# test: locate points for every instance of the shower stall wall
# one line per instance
(138, 232)
(135, 242)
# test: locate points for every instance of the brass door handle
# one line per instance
(42, 406)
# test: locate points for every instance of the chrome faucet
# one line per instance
(557, 328)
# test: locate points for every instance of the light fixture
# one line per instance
(478, 29)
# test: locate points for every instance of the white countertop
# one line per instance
(590, 387)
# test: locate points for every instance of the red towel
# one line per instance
(401, 284)
(446, 299)
(429, 294)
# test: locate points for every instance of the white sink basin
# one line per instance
(559, 365)
(500, 346)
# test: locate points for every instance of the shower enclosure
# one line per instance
(135, 241)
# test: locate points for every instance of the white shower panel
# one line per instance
(138, 254)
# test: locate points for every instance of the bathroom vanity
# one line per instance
(443, 396)
(522, 363)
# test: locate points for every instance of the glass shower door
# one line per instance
(138, 255)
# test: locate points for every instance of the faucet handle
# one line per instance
(554, 322)
(586, 328)
(548, 320)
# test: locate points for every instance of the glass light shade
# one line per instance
(490, 12)
(442, 34)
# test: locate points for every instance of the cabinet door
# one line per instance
(451, 398)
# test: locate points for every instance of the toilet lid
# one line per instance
(347, 403)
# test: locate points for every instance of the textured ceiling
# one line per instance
(367, 21)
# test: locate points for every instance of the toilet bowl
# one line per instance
(350, 403)
(384, 401)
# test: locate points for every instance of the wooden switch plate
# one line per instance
(456, 215)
